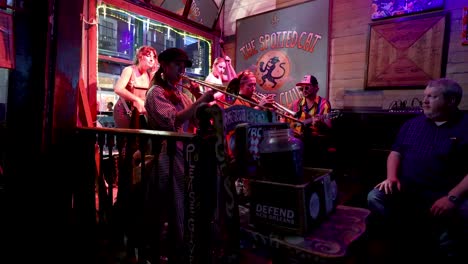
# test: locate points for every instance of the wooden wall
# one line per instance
(349, 31)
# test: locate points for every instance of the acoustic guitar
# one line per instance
(333, 114)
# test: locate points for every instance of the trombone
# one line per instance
(279, 109)
(276, 105)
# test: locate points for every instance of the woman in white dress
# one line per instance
(221, 73)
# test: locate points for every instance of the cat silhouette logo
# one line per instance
(273, 69)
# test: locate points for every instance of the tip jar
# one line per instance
(281, 157)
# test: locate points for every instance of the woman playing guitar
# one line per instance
(132, 86)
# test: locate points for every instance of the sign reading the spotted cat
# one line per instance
(283, 45)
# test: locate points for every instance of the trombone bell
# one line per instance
(279, 109)
(276, 105)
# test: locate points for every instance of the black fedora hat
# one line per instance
(174, 54)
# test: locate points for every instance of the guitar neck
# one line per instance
(330, 116)
(309, 121)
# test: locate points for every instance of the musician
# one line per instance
(221, 72)
(169, 109)
(230, 72)
(245, 85)
(192, 89)
(217, 71)
(131, 87)
(312, 109)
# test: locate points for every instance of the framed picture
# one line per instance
(282, 45)
(7, 58)
(465, 26)
(407, 52)
(382, 9)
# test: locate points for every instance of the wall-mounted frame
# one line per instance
(406, 53)
(7, 58)
(282, 45)
(465, 26)
(382, 9)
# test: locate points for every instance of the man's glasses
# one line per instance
(305, 87)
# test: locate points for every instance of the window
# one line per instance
(107, 34)
(203, 12)
(121, 33)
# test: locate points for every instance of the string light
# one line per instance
(129, 23)
(154, 24)
(149, 24)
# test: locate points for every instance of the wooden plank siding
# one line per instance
(349, 30)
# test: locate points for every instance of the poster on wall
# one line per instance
(7, 59)
(393, 8)
(282, 46)
(465, 26)
(407, 53)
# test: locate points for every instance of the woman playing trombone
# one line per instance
(245, 85)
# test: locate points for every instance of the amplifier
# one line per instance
(293, 208)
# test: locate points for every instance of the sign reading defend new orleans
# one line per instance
(283, 45)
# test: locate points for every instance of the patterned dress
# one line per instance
(161, 114)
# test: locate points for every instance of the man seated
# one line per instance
(427, 176)
(313, 110)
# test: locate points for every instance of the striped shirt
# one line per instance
(321, 106)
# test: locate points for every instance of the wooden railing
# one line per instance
(115, 159)
(121, 177)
